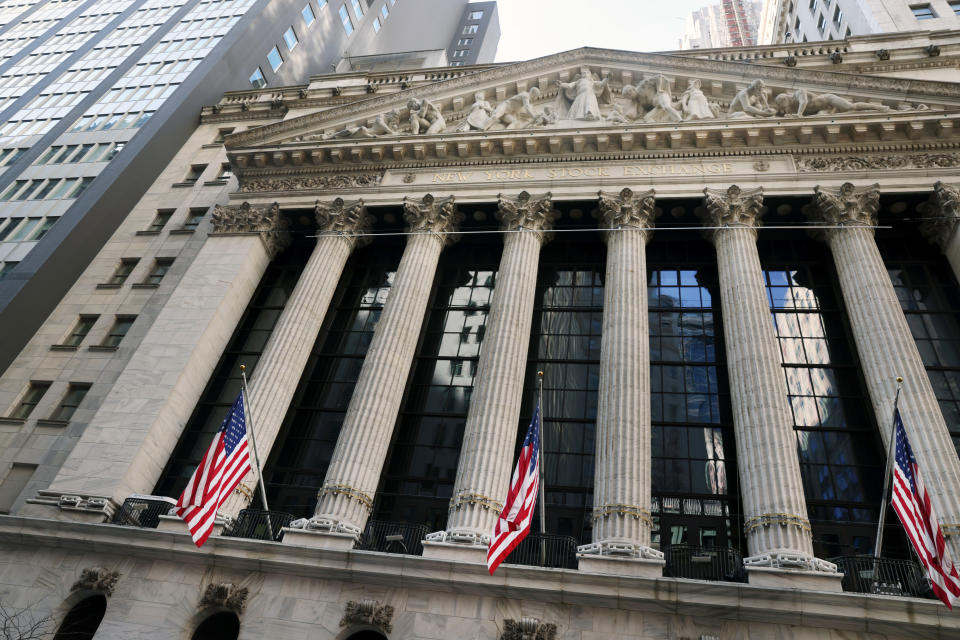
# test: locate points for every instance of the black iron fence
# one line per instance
(883, 576)
(257, 524)
(393, 537)
(704, 563)
(142, 512)
(545, 550)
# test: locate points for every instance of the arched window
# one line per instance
(220, 626)
(84, 618)
(367, 635)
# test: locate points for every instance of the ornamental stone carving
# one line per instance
(225, 596)
(733, 207)
(526, 212)
(97, 579)
(311, 183)
(580, 99)
(832, 164)
(528, 629)
(942, 213)
(628, 209)
(368, 612)
(846, 205)
(806, 103)
(751, 102)
(265, 221)
(429, 215)
(343, 218)
(425, 117)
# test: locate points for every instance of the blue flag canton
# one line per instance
(533, 438)
(234, 426)
(904, 454)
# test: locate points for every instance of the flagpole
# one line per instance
(886, 478)
(543, 514)
(253, 443)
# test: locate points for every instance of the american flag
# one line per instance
(223, 466)
(912, 504)
(514, 522)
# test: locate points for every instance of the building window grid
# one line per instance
(70, 401)
(123, 271)
(31, 398)
(955, 7)
(121, 325)
(160, 268)
(923, 12)
(80, 330)
(345, 19)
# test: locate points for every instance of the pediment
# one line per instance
(591, 91)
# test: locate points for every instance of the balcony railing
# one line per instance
(257, 524)
(545, 550)
(393, 537)
(883, 576)
(145, 511)
(704, 563)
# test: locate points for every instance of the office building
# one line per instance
(732, 23)
(721, 268)
(96, 96)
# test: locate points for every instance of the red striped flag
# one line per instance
(912, 504)
(221, 470)
(514, 522)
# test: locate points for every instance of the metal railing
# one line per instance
(704, 563)
(257, 524)
(545, 550)
(393, 537)
(142, 512)
(883, 576)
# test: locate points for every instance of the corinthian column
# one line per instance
(886, 346)
(286, 353)
(621, 488)
(346, 498)
(776, 524)
(486, 456)
(943, 215)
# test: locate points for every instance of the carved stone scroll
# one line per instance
(265, 221)
(528, 629)
(97, 579)
(439, 217)
(225, 596)
(942, 214)
(368, 612)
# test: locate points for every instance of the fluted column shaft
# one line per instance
(285, 356)
(486, 456)
(346, 498)
(886, 349)
(621, 491)
(774, 506)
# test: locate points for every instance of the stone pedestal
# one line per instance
(794, 579)
(620, 566)
(887, 349)
(486, 456)
(173, 524)
(471, 553)
(319, 539)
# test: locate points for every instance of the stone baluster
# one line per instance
(486, 455)
(279, 370)
(776, 525)
(621, 491)
(942, 214)
(346, 498)
(886, 346)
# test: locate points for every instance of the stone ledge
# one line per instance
(144, 285)
(63, 347)
(14, 421)
(46, 422)
(319, 539)
(108, 285)
(181, 232)
(612, 565)
(184, 185)
(794, 579)
(102, 347)
(147, 232)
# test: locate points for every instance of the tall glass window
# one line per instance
(298, 463)
(419, 474)
(694, 470)
(841, 459)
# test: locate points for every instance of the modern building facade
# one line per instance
(732, 23)
(721, 269)
(97, 96)
(786, 21)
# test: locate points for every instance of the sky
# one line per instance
(534, 28)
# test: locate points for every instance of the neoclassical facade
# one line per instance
(720, 269)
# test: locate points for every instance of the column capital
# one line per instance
(345, 218)
(628, 209)
(246, 219)
(526, 212)
(942, 213)
(439, 217)
(846, 205)
(733, 207)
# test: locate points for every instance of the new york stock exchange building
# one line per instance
(720, 265)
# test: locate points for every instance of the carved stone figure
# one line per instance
(751, 102)
(616, 115)
(368, 612)
(805, 103)
(580, 99)
(509, 112)
(97, 579)
(225, 596)
(695, 105)
(383, 125)
(547, 117)
(653, 100)
(479, 117)
(528, 629)
(425, 117)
